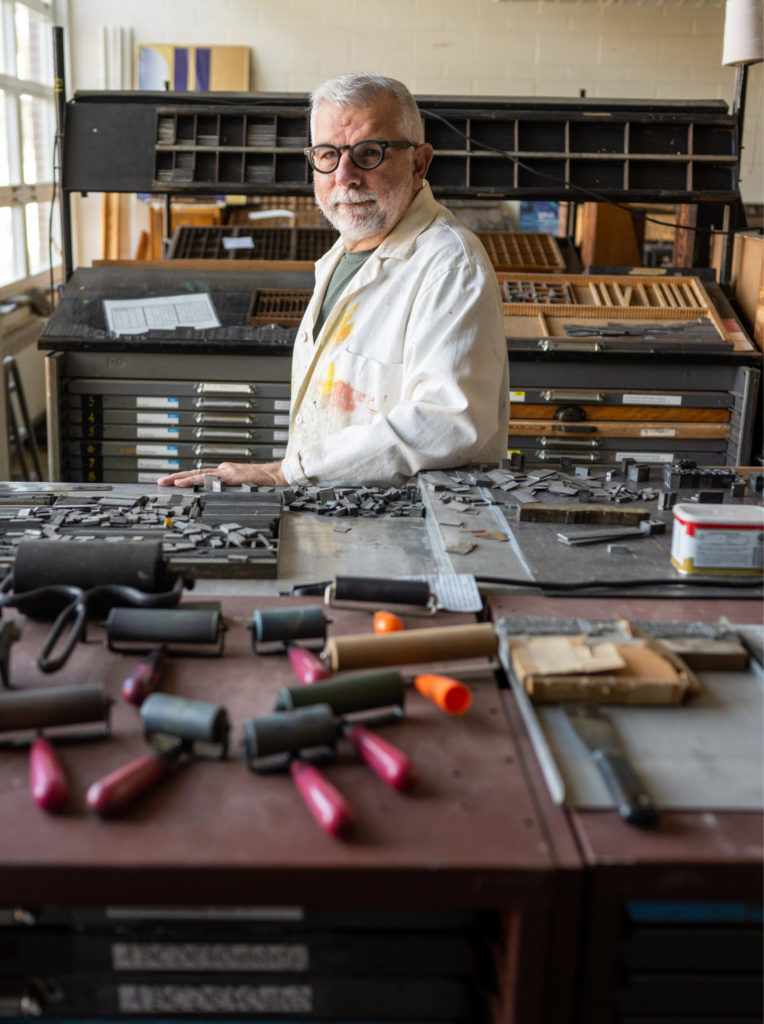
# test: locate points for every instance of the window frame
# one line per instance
(18, 195)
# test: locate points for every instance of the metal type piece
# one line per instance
(595, 729)
(583, 513)
(201, 728)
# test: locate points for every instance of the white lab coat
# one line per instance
(410, 370)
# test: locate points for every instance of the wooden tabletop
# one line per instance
(470, 834)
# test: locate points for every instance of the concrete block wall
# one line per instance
(664, 49)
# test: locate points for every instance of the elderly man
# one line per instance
(400, 362)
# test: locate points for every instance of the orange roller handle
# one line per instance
(387, 622)
(446, 693)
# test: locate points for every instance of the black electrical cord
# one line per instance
(586, 192)
(317, 589)
(547, 585)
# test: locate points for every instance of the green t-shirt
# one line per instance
(346, 269)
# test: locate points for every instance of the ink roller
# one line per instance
(57, 708)
(348, 694)
(359, 693)
(412, 596)
(441, 643)
(174, 726)
(274, 628)
(190, 630)
(70, 581)
(448, 694)
(275, 742)
(39, 564)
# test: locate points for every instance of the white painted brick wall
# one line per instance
(664, 49)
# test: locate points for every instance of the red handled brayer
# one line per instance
(176, 727)
(378, 697)
(291, 740)
(63, 712)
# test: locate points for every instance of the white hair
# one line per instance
(361, 89)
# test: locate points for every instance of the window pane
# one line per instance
(4, 69)
(34, 48)
(38, 228)
(5, 171)
(37, 133)
(7, 250)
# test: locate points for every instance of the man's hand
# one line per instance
(264, 474)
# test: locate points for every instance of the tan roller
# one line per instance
(441, 643)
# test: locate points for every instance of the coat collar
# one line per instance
(399, 244)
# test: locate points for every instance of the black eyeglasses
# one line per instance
(367, 154)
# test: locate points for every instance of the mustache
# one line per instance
(351, 195)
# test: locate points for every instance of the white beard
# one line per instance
(357, 223)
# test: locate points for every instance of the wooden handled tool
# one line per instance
(441, 643)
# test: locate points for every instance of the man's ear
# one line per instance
(422, 160)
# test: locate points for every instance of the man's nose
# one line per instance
(346, 173)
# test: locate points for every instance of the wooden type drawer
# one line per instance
(669, 431)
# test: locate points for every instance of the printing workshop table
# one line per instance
(477, 833)
(671, 919)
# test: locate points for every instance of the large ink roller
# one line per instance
(47, 563)
(69, 581)
(442, 643)
(190, 630)
(274, 628)
(412, 596)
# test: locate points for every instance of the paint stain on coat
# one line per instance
(347, 398)
(345, 328)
